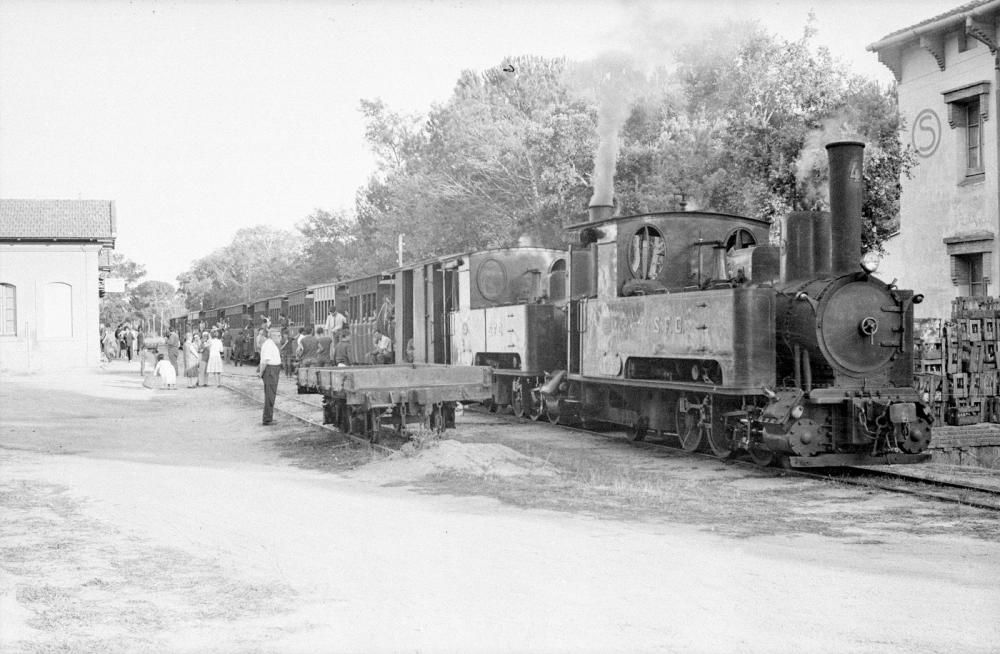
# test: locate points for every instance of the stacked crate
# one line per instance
(970, 361)
(929, 364)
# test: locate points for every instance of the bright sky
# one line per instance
(199, 118)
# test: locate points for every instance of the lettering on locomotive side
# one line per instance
(632, 320)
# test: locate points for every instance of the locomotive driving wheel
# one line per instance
(537, 408)
(718, 432)
(688, 430)
(520, 399)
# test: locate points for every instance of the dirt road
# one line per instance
(172, 521)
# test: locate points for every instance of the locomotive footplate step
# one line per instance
(855, 459)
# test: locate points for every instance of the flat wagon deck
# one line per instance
(361, 399)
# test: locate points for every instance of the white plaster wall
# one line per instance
(30, 268)
(936, 202)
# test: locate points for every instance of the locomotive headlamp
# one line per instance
(870, 261)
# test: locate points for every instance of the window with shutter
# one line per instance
(971, 256)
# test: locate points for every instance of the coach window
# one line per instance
(971, 262)
(967, 110)
(8, 310)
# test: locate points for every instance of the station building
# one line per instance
(53, 254)
(948, 73)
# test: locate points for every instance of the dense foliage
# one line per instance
(736, 125)
(146, 304)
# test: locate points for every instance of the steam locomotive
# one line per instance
(679, 324)
(689, 324)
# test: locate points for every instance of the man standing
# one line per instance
(227, 346)
(173, 347)
(324, 348)
(269, 370)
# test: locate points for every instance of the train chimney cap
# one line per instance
(847, 141)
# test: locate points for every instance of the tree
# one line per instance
(116, 308)
(260, 261)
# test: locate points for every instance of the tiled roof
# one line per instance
(89, 220)
(961, 9)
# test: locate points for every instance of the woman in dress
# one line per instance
(191, 360)
(203, 350)
(215, 358)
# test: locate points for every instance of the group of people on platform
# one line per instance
(125, 341)
(199, 356)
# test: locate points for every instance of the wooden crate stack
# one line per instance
(970, 361)
(929, 364)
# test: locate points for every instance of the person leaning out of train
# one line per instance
(382, 353)
(324, 347)
(342, 350)
(308, 349)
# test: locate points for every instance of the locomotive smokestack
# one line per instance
(596, 212)
(846, 193)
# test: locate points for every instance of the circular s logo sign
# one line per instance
(926, 133)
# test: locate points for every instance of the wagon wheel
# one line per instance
(688, 431)
(341, 416)
(760, 454)
(373, 424)
(638, 431)
(399, 419)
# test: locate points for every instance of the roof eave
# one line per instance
(940, 25)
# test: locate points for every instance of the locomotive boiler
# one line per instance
(692, 324)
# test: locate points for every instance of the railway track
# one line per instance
(930, 481)
(302, 414)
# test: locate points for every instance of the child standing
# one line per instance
(165, 371)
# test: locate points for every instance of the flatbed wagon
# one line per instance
(360, 400)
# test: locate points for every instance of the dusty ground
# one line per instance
(137, 520)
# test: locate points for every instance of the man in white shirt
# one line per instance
(270, 371)
(382, 353)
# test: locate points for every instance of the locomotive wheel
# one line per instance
(554, 410)
(517, 401)
(760, 454)
(718, 440)
(688, 431)
(537, 409)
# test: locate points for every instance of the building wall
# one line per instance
(939, 202)
(57, 306)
